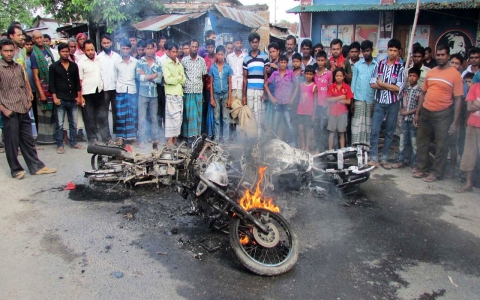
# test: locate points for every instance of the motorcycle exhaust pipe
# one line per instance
(109, 151)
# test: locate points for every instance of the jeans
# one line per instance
(437, 124)
(408, 137)
(221, 112)
(282, 114)
(321, 132)
(149, 104)
(390, 111)
(95, 117)
(17, 131)
(70, 108)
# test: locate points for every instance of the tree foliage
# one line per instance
(17, 10)
(112, 13)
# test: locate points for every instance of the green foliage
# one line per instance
(112, 13)
(17, 10)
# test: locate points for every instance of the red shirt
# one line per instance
(209, 62)
(160, 53)
(474, 94)
(336, 108)
(323, 82)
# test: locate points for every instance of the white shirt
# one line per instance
(108, 69)
(236, 63)
(90, 75)
(125, 76)
(468, 70)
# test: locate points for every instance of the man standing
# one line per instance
(474, 59)
(149, 74)
(363, 106)
(338, 61)
(15, 102)
(435, 116)
(254, 75)
(229, 48)
(47, 40)
(195, 72)
(290, 46)
(174, 77)
(126, 94)
(29, 51)
(306, 48)
(210, 59)
(186, 49)
(133, 43)
(108, 59)
(209, 35)
(235, 60)
(429, 61)
(354, 54)
(66, 92)
(95, 109)
(161, 47)
(387, 79)
(41, 60)
(417, 58)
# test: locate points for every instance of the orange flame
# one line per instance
(244, 240)
(258, 200)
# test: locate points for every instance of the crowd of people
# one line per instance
(309, 99)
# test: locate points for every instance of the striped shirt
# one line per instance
(393, 74)
(255, 67)
(13, 89)
(409, 97)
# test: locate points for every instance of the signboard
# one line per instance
(345, 33)
(328, 33)
(457, 40)
(422, 35)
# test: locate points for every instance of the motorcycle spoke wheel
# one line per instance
(264, 254)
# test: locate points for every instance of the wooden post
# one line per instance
(412, 34)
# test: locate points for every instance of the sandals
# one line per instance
(20, 175)
(77, 146)
(373, 164)
(398, 165)
(420, 174)
(60, 150)
(430, 178)
(385, 165)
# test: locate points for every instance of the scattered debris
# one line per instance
(108, 248)
(117, 274)
(174, 230)
(198, 255)
(70, 187)
(451, 280)
(162, 253)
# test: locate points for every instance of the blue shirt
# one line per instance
(476, 78)
(148, 88)
(30, 75)
(362, 73)
(220, 79)
(255, 67)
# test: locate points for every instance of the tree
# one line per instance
(18, 10)
(112, 13)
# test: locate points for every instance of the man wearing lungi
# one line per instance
(174, 78)
(126, 95)
(195, 71)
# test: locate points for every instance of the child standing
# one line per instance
(283, 82)
(323, 79)
(409, 101)
(306, 108)
(221, 94)
(299, 78)
(472, 139)
(339, 95)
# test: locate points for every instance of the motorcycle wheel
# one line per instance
(265, 255)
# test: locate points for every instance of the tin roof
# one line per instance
(244, 17)
(162, 21)
(387, 7)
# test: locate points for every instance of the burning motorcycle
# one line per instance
(260, 237)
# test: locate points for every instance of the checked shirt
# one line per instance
(409, 97)
(194, 72)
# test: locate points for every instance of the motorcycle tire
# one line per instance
(274, 259)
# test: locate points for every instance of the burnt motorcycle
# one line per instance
(260, 237)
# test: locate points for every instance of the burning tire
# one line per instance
(264, 254)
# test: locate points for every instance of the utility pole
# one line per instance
(412, 34)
